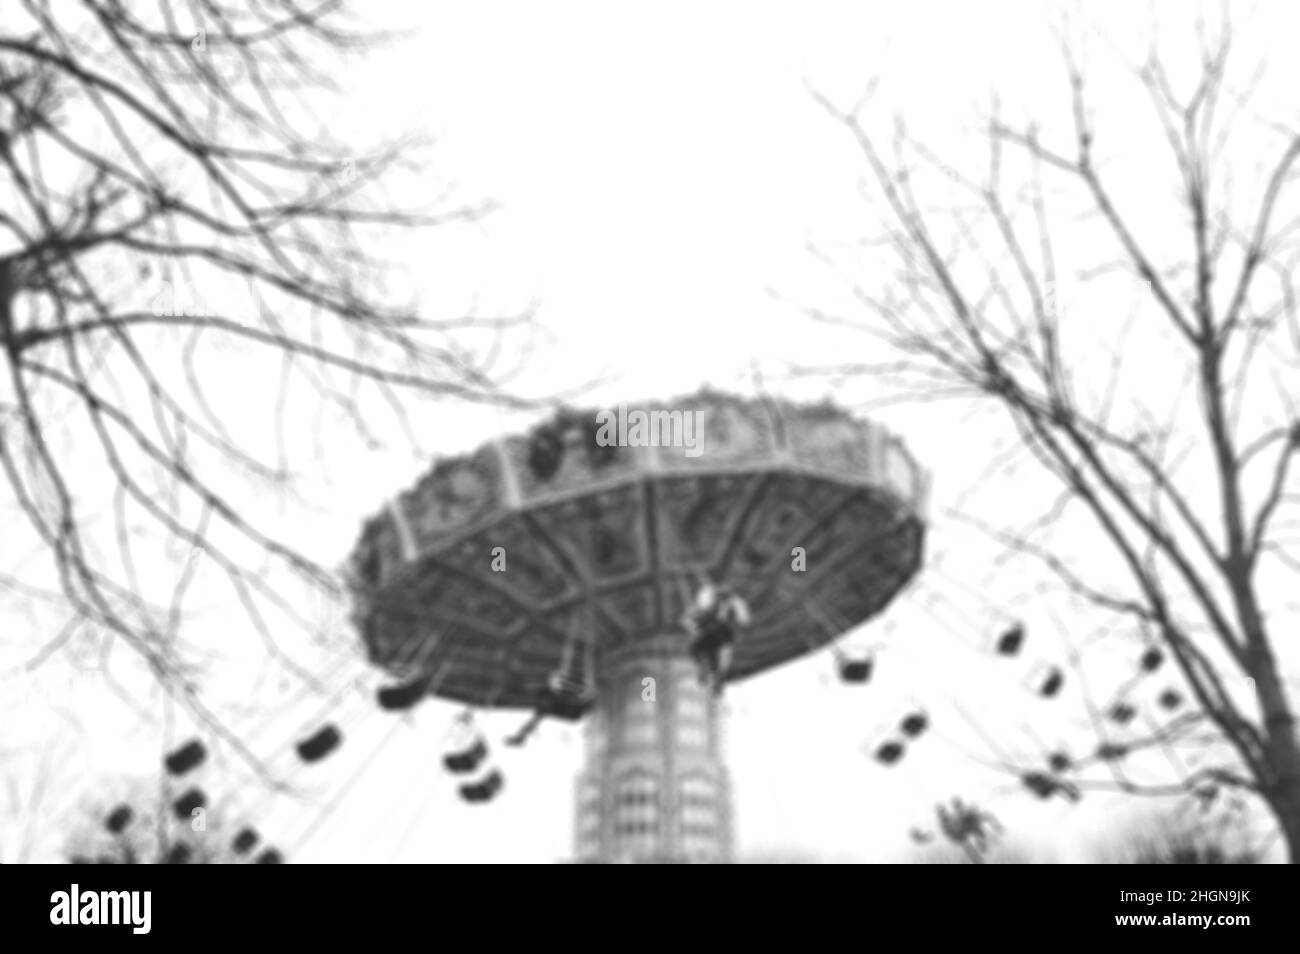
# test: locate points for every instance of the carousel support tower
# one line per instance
(559, 551)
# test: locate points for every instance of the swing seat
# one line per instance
(1111, 751)
(484, 790)
(889, 753)
(179, 855)
(1122, 713)
(569, 708)
(404, 695)
(185, 806)
(1059, 762)
(466, 760)
(187, 757)
(914, 724)
(855, 670)
(118, 819)
(244, 841)
(1044, 786)
(568, 698)
(319, 745)
(1052, 684)
(1009, 642)
(545, 454)
(570, 689)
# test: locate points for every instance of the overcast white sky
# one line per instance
(660, 169)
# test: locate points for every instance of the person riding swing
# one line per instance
(569, 692)
(713, 621)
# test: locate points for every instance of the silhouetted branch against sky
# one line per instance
(194, 260)
(134, 821)
(1172, 240)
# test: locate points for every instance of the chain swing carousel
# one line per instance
(579, 581)
(551, 573)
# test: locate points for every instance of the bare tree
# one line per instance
(1189, 492)
(150, 148)
(145, 828)
(1174, 839)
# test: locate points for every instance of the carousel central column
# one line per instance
(654, 787)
